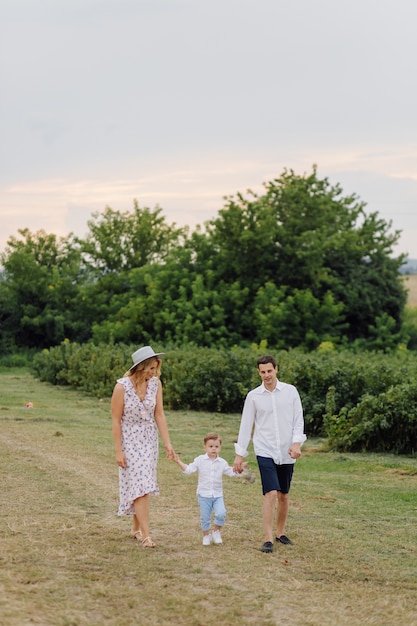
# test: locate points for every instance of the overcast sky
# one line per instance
(181, 102)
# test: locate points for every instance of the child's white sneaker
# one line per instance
(207, 539)
(217, 538)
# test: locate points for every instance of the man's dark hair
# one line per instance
(267, 358)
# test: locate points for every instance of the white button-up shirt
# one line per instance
(276, 419)
(210, 475)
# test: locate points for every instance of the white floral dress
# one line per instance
(139, 444)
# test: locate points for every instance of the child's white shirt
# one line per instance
(210, 475)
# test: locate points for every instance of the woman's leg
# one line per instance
(142, 514)
(135, 524)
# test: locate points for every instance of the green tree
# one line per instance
(289, 318)
(120, 241)
(39, 290)
(303, 234)
(242, 242)
(299, 265)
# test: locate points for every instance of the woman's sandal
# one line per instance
(137, 534)
(148, 543)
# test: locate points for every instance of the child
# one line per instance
(210, 468)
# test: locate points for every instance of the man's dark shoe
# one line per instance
(267, 547)
(283, 539)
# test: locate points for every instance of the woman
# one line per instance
(138, 415)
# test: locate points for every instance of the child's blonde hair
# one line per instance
(214, 436)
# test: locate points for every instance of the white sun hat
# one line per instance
(143, 354)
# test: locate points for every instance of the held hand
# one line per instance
(170, 454)
(247, 475)
(238, 464)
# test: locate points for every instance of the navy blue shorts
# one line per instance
(275, 477)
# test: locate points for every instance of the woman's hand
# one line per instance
(121, 459)
(170, 454)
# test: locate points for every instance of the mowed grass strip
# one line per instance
(67, 559)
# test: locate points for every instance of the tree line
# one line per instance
(295, 266)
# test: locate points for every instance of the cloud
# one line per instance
(194, 193)
(179, 103)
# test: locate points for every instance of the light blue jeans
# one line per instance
(207, 506)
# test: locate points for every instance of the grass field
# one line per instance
(68, 560)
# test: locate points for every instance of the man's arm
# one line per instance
(298, 436)
(238, 464)
(245, 433)
(295, 450)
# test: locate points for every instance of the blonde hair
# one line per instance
(138, 372)
(214, 436)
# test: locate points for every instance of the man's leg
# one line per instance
(283, 506)
(268, 509)
(285, 474)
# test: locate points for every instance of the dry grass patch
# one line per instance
(68, 560)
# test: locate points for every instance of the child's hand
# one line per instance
(247, 475)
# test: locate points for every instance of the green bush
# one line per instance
(208, 379)
(336, 388)
(15, 360)
(198, 378)
(342, 378)
(383, 423)
(92, 368)
(51, 365)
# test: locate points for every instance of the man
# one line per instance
(274, 413)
